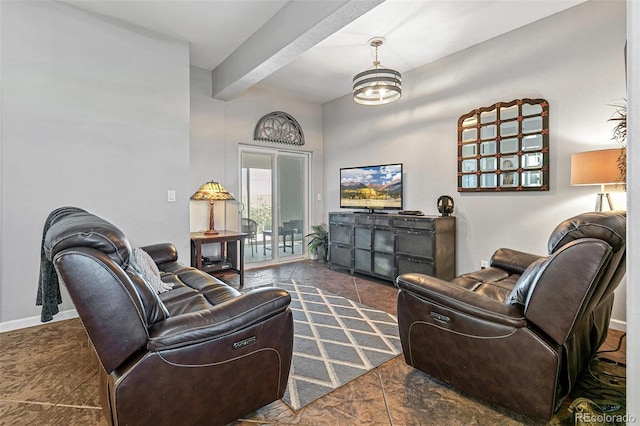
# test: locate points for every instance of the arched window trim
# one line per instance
(279, 127)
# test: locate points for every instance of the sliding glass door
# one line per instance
(274, 192)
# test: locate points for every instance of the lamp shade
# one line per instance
(595, 167)
(212, 191)
(377, 85)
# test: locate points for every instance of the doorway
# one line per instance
(274, 190)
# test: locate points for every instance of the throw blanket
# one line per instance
(48, 287)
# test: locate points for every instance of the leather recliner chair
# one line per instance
(519, 333)
(201, 353)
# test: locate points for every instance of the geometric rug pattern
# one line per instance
(335, 341)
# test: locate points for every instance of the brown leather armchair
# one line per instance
(200, 353)
(519, 333)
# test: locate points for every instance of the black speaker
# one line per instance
(445, 205)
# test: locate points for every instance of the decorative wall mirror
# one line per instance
(504, 147)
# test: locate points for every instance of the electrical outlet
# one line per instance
(484, 264)
(171, 196)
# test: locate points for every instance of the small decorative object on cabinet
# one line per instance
(504, 147)
(388, 245)
(445, 205)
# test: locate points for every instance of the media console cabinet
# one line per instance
(388, 245)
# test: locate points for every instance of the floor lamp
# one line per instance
(596, 168)
(211, 191)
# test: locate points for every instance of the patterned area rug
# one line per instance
(335, 341)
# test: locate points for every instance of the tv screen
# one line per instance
(371, 187)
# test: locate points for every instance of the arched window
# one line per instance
(279, 127)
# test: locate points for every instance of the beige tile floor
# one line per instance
(48, 376)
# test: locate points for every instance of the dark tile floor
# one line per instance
(48, 376)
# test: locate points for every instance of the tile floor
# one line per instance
(47, 374)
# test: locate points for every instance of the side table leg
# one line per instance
(241, 266)
(198, 254)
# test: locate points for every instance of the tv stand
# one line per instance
(388, 245)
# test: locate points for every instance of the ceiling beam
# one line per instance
(297, 27)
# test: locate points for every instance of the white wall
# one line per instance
(633, 179)
(95, 114)
(206, 149)
(219, 128)
(573, 59)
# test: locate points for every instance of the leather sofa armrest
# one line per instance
(460, 299)
(513, 260)
(221, 320)
(162, 253)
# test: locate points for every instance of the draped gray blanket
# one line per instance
(48, 286)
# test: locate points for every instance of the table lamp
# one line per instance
(211, 191)
(596, 168)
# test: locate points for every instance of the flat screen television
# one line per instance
(371, 187)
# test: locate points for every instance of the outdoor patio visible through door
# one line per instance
(274, 191)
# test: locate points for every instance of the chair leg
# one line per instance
(251, 244)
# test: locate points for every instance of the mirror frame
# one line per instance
(473, 119)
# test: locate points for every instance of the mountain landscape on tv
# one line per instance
(379, 187)
(355, 190)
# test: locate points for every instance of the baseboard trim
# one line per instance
(35, 321)
(618, 325)
(72, 313)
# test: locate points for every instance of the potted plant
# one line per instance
(318, 242)
(620, 135)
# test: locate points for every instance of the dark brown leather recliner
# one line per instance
(200, 353)
(519, 333)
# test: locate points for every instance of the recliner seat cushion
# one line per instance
(494, 283)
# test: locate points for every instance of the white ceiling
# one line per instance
(313, 52)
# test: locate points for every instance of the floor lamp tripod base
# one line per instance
(600, 199)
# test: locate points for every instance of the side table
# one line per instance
(231, 254)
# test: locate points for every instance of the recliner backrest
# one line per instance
(91, 257)
(565, 286)
(83, 229)
(106, 302)
(608, 226)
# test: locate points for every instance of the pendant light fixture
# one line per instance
(377, 85)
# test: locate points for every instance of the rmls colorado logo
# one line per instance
(603, 418)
